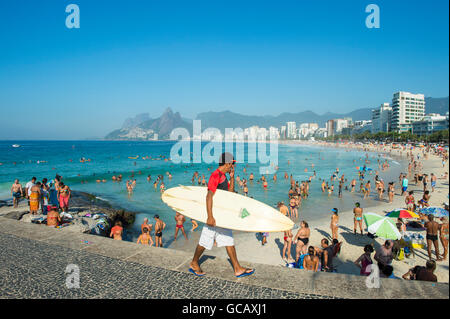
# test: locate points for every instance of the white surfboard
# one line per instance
(230, 210)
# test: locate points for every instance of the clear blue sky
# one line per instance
(252, 57)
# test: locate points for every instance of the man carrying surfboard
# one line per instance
(211, 233)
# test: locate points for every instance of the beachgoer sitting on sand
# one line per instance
(365, 260)
(422, 273)
(311, 261)
(53, 218)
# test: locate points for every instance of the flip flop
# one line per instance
(195, 273)
(244, 274)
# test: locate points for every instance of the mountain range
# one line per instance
(142, 127)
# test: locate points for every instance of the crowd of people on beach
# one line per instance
(320, 258)
(44, 197)
(52, 197)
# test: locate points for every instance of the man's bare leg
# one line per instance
(429, 243)
(194, 263)
(184, 233)
(436, 248)
(176, 233)
(238, 270)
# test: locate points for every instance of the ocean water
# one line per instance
(48, 158)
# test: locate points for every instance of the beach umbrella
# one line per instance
(370, 218)
(435, 211)
(385, 228)
(402, 213)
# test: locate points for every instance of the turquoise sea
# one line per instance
(108, 158)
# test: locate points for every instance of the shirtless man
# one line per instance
(53, 218)
(159, 227)
(179, 219)
(283, 209)
(311, 261)
(146, 225)
(145, 238)
(301, 239)
(117, 231)
(16, 192)
(357, 219)
(432, 228)
(433, 182)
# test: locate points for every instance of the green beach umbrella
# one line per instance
(384, 228)
(370, 218)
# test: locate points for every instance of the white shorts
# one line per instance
(222, 236)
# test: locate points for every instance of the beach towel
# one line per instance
(34, 201)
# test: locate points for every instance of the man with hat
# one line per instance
(211, 233)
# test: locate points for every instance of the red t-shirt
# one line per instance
(218, 180)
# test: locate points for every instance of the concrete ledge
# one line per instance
(294, 280)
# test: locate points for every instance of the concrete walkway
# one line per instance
(33, 260)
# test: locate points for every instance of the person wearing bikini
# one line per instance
(287, 237)
(64, 196)
(301, 239)
(117, 231)
(334, 223)
(365, 260)
(357, 219)
(425, 201)
(311, 261)
(159, 227)
(443, 235)
(145, 238)
(409, 200)
(179, 219)
(16, 192)
(293, 205)
(391, 190)
(432, 228)
(146, 225)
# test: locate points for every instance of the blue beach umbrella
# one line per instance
(435, 211)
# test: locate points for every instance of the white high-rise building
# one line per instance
(381, 118)
(406, 109)
(283, 134)
(291, 130)
(274, 133)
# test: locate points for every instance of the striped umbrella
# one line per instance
(370, 218)
(385, 228)
(402, 213)
(435, 211)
